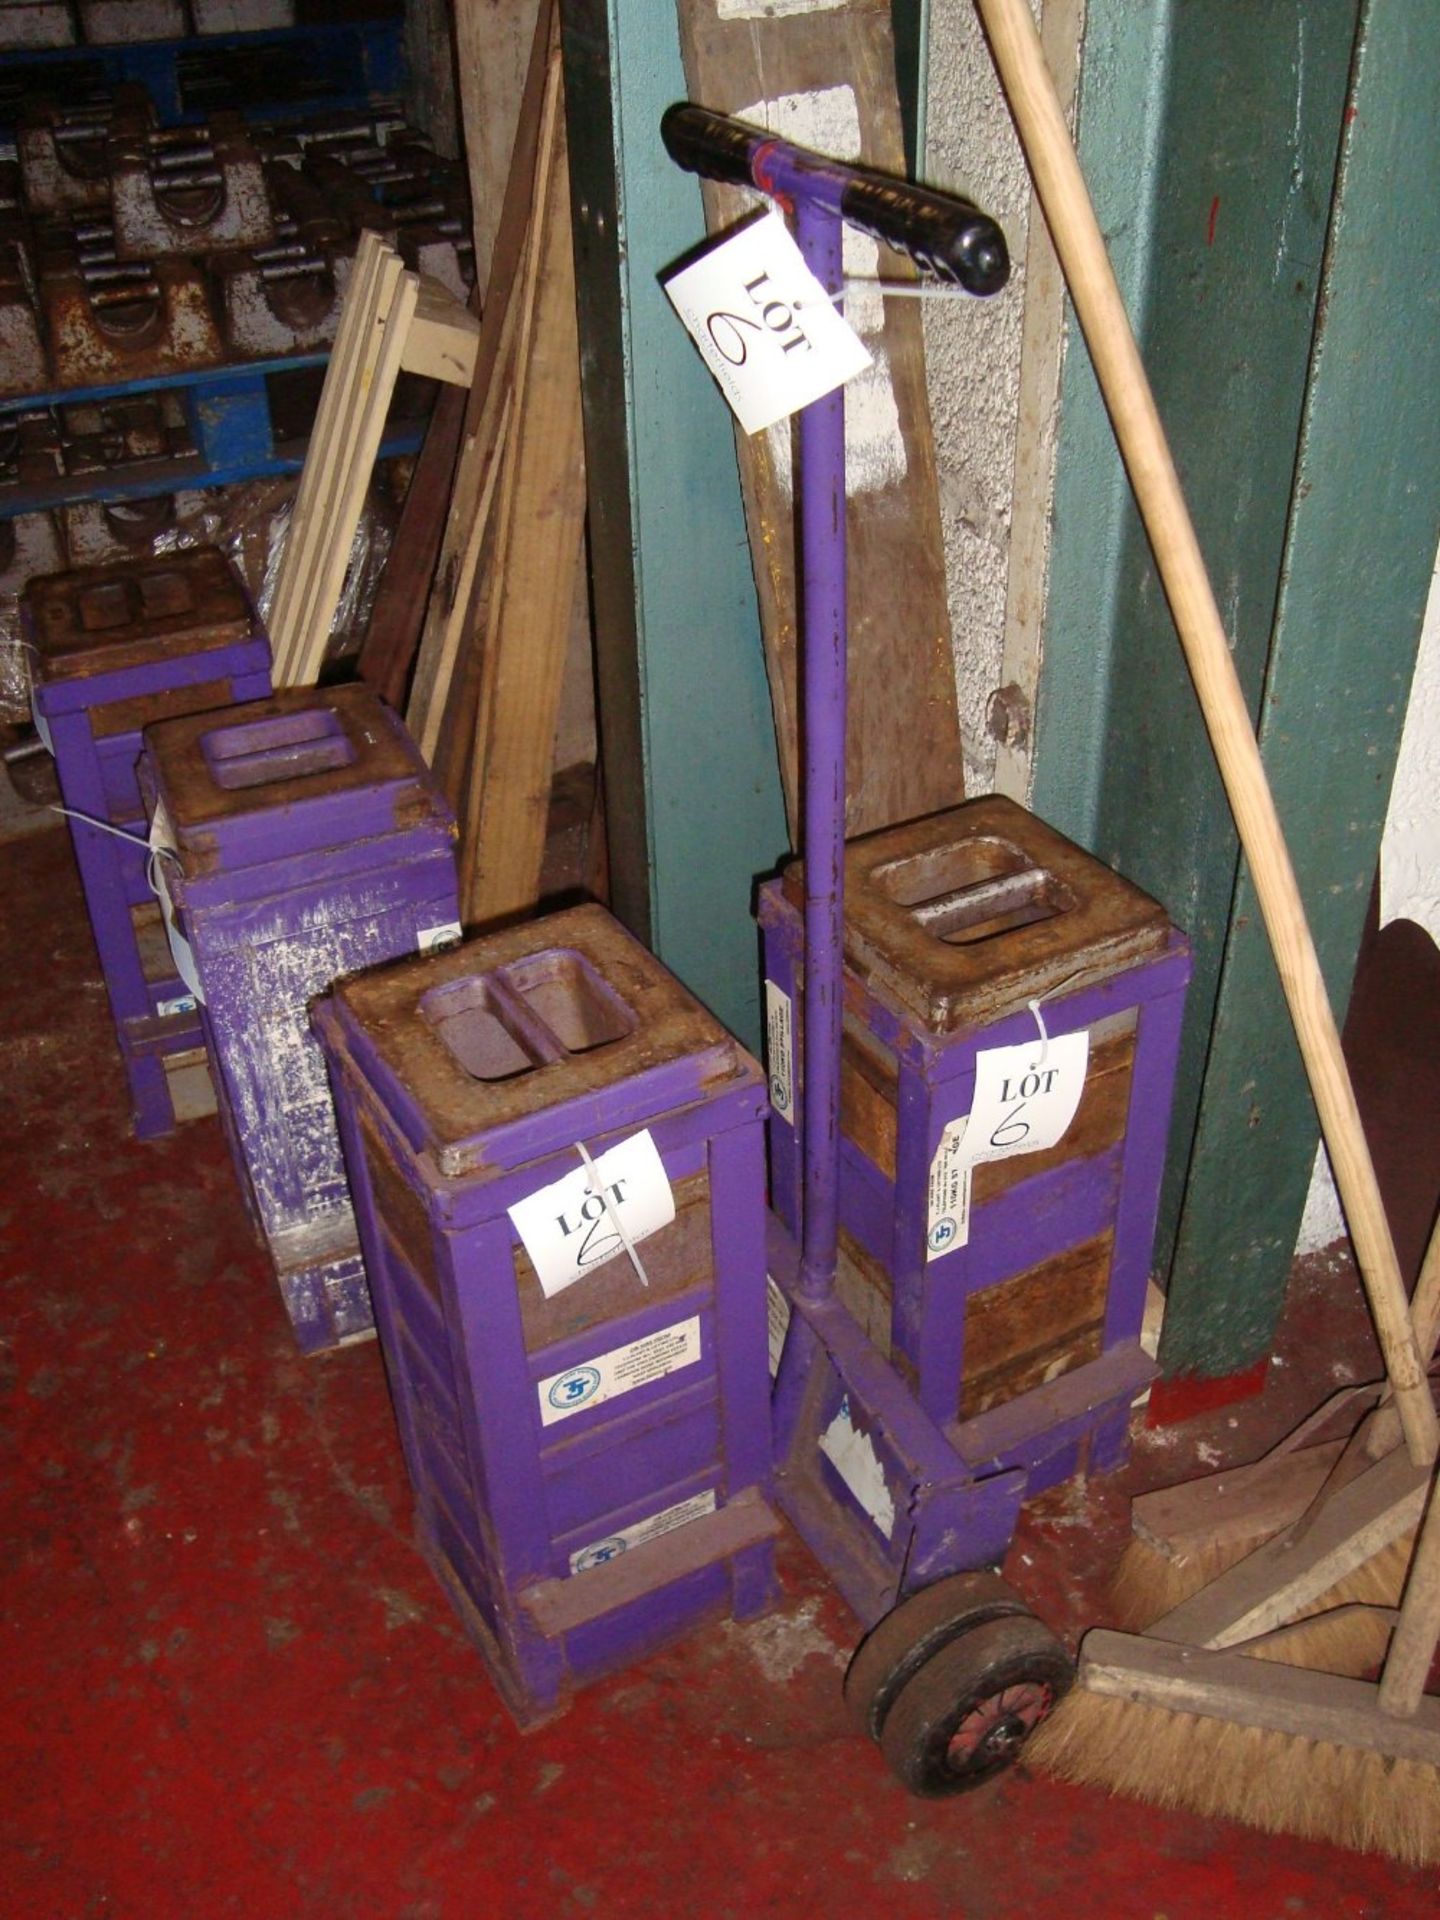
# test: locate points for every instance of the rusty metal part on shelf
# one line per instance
(281, 299)
(184, 190)
(111, 22)
(128, 329)
(29, 545)
(99, 531)
(30, 449)
(61, 146)
(100, 435)
(22, 353)
(36, 23)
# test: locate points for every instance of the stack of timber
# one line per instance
(392, 322)
(484, 599)
(485, 609)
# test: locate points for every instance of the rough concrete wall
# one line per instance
(994, 387)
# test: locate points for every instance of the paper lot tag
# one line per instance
(568, 1228)
(1025, 1098)
(162, 842)
(763, 323)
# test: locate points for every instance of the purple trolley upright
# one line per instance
(308, 841)
(984, 1339)
(590, 1462)
(117, 647)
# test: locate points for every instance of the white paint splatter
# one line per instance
(781, 1642)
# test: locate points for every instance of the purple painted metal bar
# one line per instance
(824, 630)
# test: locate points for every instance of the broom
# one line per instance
(1185, 1537)
(1251, 1710)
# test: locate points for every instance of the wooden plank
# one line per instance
(318, 477)
(834, 73)
(443, 338)
(1254, 1693)
(492, 42)
(461, 543)
(466, 529)
(393, 632)
(1275, 1583)
(329, 457)
(538, 548)
(376, 387)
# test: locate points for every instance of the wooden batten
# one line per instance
(904, 748)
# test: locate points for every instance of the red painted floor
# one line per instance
(233, 1688)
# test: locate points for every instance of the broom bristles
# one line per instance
(1280, 1783)
(1148, 1584)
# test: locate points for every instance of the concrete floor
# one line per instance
(234, 1689)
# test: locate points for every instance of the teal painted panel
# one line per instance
(1229, 119)
(701, 720)
(1124, 86)
(1357, 568)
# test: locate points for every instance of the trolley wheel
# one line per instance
(901, 1643)
(966, 1714)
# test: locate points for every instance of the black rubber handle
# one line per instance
(942, 233)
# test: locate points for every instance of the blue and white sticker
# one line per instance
(621, 1370)
(779, 1050)
(623, 1539)
(438, 939)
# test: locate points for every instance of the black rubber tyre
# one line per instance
(964, 1717)
(900, 1644)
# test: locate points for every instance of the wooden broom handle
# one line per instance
(1075, 232)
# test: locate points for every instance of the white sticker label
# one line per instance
(162, 843)
(853, 1456)
(619, 1371)
(182, 1003)
(624, 1538)
(437, 939)
(1025, 1099)
(949, 1221)
(777, 1316)
(779, 1051)
(763, 325)
(771, 9)
(570, 1227)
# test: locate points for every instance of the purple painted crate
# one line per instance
(117, 647)
(1019, 1335)
(589, 1466)
(311, 842)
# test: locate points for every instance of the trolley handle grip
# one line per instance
(944, 234)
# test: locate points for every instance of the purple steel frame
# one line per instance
(96, 759)
(332, 851)
(525, 1523)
